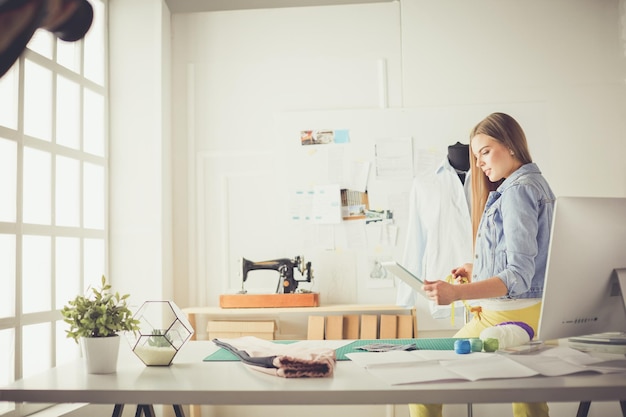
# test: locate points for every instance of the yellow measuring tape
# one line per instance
(450, 280)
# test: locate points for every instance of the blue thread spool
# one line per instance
(462, 346)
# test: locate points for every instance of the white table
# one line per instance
(189, 380)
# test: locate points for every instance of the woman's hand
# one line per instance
(441, 292)
(463, 273)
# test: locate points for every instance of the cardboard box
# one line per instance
(405, 327)
(388, 326)
(315, 329)
(334, 328)
(231, 329)
(351, 326)
(369, 326)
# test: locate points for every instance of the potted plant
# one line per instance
(95, 319)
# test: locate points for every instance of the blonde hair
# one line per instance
(508, 132)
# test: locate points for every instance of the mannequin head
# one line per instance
(458, 156)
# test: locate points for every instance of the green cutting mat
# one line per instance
(223, 355)
(445, 343)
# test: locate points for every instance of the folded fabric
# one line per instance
(284, 360)
(386, 347)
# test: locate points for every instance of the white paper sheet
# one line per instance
(409, 367)
(494, 366)
(565, 361)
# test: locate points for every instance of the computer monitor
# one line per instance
(582, 291)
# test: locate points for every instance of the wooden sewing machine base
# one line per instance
(269, 300)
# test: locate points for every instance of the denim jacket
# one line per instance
(514, 233)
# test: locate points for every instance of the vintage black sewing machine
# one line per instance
(287, 283)
(285, 295)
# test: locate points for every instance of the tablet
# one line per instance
(405, 275)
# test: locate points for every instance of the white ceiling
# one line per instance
(189, 6)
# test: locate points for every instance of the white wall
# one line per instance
(140, 157)
(233, 72)
(227, 94)
(568, 54)
(236, 73)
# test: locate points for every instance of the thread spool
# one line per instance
(462, 346)
(490, 344)
(476, 345)
(509, 334)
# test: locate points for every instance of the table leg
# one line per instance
(146, 410)
(178, 410)
(583, 408)
(117, 410)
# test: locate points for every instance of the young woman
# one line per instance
(512, 207)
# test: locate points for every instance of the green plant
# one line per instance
(99, 314)
(159, 339)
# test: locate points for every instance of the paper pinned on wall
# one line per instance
(326, 204)
(428, 159)
(356, 177)
(324, 137)
(394, 158)
(301, 205)
(378, 276)
(320, 204)
(335, 164)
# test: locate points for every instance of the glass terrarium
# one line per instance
(163, 330)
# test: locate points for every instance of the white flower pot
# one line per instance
(101, 354)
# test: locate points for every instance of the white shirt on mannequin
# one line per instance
(439, 232)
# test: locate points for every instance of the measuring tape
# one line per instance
(476, 310)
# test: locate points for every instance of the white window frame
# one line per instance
(20, 229)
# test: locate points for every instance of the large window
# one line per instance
(53, 196)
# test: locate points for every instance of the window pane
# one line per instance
(93, 196)
(94, 262)
(67, 192)
(68, 55)
(68, 113)
(8, 180)
(7, 364)
(95, 46)
(37, 101)
(7, 276)
(67, 349)
(36, 348)
(36, 189)
(8, 98)
(67, 270)
(36, 276)
(93, 128)
(42, 43)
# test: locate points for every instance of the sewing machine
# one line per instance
(285, 296)
(285, 268)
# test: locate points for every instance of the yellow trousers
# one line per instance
(482, 320)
